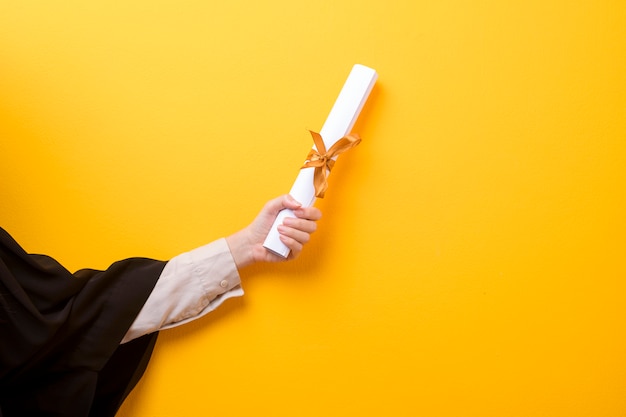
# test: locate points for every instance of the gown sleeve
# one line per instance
(60, 333)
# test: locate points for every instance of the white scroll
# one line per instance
(339, 122)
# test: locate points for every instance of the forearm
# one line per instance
(196, 282)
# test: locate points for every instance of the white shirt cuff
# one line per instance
(191, 285)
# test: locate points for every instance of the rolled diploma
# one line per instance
(339, 122)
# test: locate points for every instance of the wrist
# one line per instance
(240, 249)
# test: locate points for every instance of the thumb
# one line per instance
(283, 202)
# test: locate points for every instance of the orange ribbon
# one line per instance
(323, 161)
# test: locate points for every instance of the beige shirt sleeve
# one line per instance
(191, 285)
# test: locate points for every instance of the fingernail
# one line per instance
(293, 200)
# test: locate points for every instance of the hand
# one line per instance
(246, 245)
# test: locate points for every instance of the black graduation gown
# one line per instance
(60, 333)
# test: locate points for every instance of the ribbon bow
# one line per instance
(323, 161)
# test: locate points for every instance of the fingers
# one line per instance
(304, 225)
(275, 205)
(289, 202)
(310, 213)
(296, 235)
(294, 246)
(296, 231)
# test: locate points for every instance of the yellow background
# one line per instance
(470, 261)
